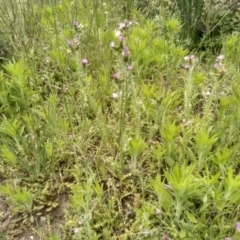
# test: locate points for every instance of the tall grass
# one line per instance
(191, 12)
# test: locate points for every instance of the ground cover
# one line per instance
(118, 121)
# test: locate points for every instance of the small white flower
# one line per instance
(220, 57)
(186, 122)
(76, 230)
(130, 24)
(158, 211)
(43, 219)
(115, 95)
(117, 33)
(112, 44)
(207, 93)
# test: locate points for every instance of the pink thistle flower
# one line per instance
(126, 52)
(115, 75)
(69, 43)
(76, 25)
(122, 26)
(191, 57)
(84, 62)
(121, 38)
(129, 67)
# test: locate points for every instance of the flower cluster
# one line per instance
(74, 43)
(189, 61)
(120, 34)
(124, 25)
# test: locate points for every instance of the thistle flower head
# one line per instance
(121, 38)
(126, 52)
(75, 23)
(129, 67)
(84, 62)
(122, 25)
(115, 75)
(69, 43)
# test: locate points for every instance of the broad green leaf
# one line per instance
(191, 217)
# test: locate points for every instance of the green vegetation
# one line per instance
(119, 119)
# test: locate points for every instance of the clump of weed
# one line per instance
(205, 23)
